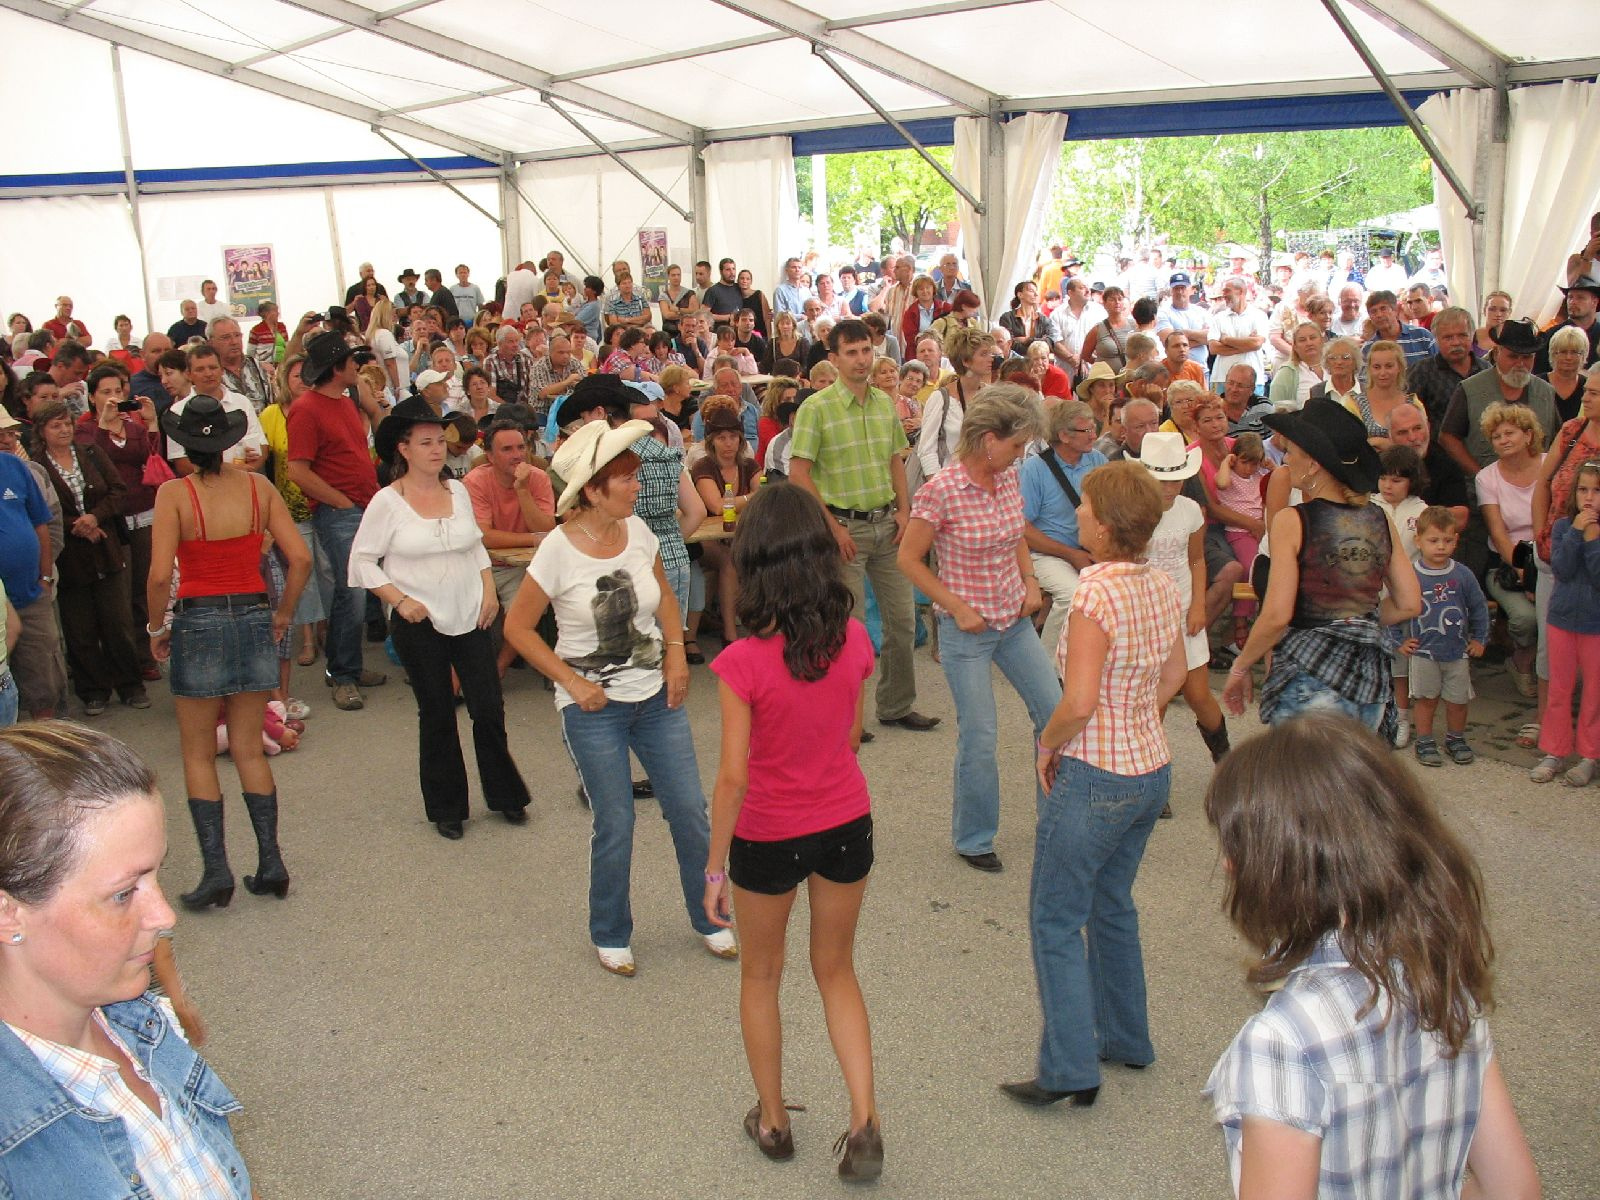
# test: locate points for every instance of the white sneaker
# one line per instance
(296, 710)
(721, 944)
(1546, 769)
(1579, 773)
(616, 959)
(1402, 731)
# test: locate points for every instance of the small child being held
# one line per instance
(1452, 627)
(1239, 480)
(1400, 483)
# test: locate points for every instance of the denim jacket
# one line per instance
(51, 1148)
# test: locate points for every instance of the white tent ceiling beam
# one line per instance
(304, 43)
(128, 177)
(1359, 45)
(927, 10)
(1433, 33)
(444, 101)
(419, 38)
(156, 48)
(618, 159)
(885, 59)
(655, 60)
(944, 172)
(566, 243)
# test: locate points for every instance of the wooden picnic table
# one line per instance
(710, 530)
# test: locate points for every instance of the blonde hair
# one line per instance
(774, 394)
(1184, 387)
(1294, 355)
(1520, 415)
(1569, 337)
(1400, 356)
(672, 376)
(823, 373)
(963, 342)
(382, 318)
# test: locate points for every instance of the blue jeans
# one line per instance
(599, 743)
(8, 699)
(967, 659)
(1093, 827)
(1305, 693)
(336, 530)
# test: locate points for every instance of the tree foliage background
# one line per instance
(1200, 191)
(1193, 191)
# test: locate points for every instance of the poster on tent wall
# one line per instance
(653, 258)
(250, 278)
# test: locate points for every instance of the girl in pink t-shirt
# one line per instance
(791, 803)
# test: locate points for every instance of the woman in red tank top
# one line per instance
(222, 636)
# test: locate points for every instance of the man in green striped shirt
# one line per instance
(846, 451)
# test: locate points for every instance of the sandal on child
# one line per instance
(1546, 769)
(1528, 736)
(1580, 773)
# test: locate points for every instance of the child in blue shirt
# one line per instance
(1453, 626)
(1573, 630)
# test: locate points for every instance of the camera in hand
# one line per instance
(128, 405)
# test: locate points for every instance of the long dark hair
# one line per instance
(1324, 832)
(789, 578)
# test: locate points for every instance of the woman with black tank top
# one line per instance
(222, 637)
(1338, 573)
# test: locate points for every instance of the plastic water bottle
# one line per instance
(729, 513)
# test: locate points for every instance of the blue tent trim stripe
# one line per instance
(375, 166)
(1282, 114)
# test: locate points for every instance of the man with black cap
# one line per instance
(330, 463)
(409, 295)
(1511, 382)
(1583, 297)
(1192, 319)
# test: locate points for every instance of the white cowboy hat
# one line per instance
(589, 449)
(1165, 458)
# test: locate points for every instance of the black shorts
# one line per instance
(842, 854)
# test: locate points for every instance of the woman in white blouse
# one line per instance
(420, 550)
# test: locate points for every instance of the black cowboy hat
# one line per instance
(1519, 337)
(204, 426)
(1584, 283)
(596, 391)
(1335, 438)
(323, 354)
(413, 411)
(408, 273)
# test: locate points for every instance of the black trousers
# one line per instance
(97, 622)
(428, 656)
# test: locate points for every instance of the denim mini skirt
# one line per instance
(222, 652)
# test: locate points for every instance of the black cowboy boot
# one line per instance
(1216, 740)
(271, 875)
(216, 885)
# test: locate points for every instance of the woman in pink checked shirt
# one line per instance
(1103, 757)
(970, 512)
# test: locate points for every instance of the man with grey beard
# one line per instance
(1511, 382)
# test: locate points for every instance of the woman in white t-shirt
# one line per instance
(1178, 549)
(420, 551)
(621, 678)
(1505, 499)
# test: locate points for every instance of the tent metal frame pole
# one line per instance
(333, 241)
(1364, 52)
(566, 243)
(699, 226)
(131, 181)
(944, 172)
(438, 178)
(510, 219)
(561, 112)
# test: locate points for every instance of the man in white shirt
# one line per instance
(469, 296)
(205, 378)
(1386, 275)
(1238, 334)
(210, 308)
(1070, 323)
(1347, 322)
(1178, 313)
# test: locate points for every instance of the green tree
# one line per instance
(1199, 191)
(893, 187)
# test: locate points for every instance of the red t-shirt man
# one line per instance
(329, 433)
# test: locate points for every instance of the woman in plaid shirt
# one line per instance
(1104, 761)
(985, 593)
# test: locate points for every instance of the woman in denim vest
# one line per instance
(104, 1098)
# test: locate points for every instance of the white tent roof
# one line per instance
(491, 78)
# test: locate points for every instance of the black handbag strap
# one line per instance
(1054, 464)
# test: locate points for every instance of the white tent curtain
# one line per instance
(38, 266)
(752, 212)
(1032, 144)
(1552, 185)
(1452, 118)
